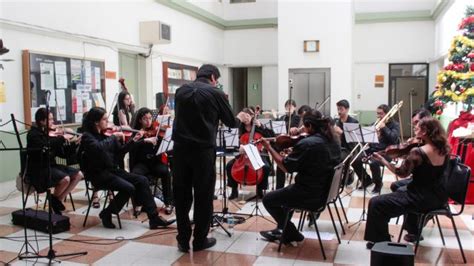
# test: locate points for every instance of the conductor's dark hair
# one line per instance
(207, 70)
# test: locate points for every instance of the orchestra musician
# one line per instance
(124, 110)
(426, 192)
(199, 107)
(63, 178)
(294, 124)
(143, 158)
(245, 127)
(313, 158)
(415, 118)
(388, 134)
(99, 163)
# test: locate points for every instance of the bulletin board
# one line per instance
(76, 85)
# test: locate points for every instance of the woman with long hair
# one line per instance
(143, 158)
(124, 109)
(314, 159)
(426, 192)
(99, 163)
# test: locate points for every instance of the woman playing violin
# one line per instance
(123, 111)
(314, 158)
(98, 162)
(143, 158)
(246, 127)
(63, 178)
(426, 192)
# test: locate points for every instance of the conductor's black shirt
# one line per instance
(199, 107)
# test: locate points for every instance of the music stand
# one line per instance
(354, 132)
(279, 127)
(227, 141)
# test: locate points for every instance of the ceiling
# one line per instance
(376, 6)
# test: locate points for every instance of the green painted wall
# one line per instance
(254, 86)
(10, 160)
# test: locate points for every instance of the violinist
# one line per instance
(415, 118)
(143, 158)
(426, 192)
(388, 134)
(98, 159)
(294, 124)
(314, 159)
(245, 128)
(63, 178)
(124, 110)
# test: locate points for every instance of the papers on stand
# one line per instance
(254, 156)
(355, 133)
(166, 143)
(230, 136)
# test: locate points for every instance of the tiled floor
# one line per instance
(135, 244)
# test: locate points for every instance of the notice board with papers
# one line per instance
(75, 85)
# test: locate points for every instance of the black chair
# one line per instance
(456, 187)
(315, 213)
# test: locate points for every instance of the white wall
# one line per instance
(193, 41)
(256, 10)
(251, 47)
(270, 87)
(377, 45)
(303, 20)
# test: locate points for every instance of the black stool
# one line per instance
(390, 253)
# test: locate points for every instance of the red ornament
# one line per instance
(438, 103)
(439, 112)
(470, 55)
(472, 67)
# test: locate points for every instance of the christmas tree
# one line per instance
(455, 83)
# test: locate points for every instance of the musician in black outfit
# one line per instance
(426, 192)
(99, 163)
(245, 127)
(388, 134)
(199, 107)
(314, 158)
(143, 158)
(63, 178)
(294, 124)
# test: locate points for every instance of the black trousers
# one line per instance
(374, 169)
(384, 207)
(280, 178)
(193, 169)
(156, 170)
(292, 195)
(128, 185)
(261, 186)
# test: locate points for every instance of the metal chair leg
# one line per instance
(420, 229)
(459, 240)
(319, 236)
(440, 231)
(343, 210)
(401, 229)
(340, 220)
(333, 224)
(87, 212)
(72, 202)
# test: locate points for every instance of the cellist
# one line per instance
(245, 128)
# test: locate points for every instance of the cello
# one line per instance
(242, 171)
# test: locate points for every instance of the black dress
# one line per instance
(426, 192)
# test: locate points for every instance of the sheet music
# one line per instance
(231, 138)
(254, 156)
(164, 120)
(279, 127)
(166, 143)
(266, 122)
(355, 133)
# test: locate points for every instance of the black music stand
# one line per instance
(51, 256)
(355, 133)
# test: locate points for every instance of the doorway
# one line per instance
(132, 69)
(311, 86)
(246, 87)
(408, 83)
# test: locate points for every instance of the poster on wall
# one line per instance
(87, 72)
(3, 97)
(47, 76)
(97, 78)
(61, 74)
(76, 71)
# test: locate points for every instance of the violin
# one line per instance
(127, 132)
(399, 150)
(284, 142)
(68, 135)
